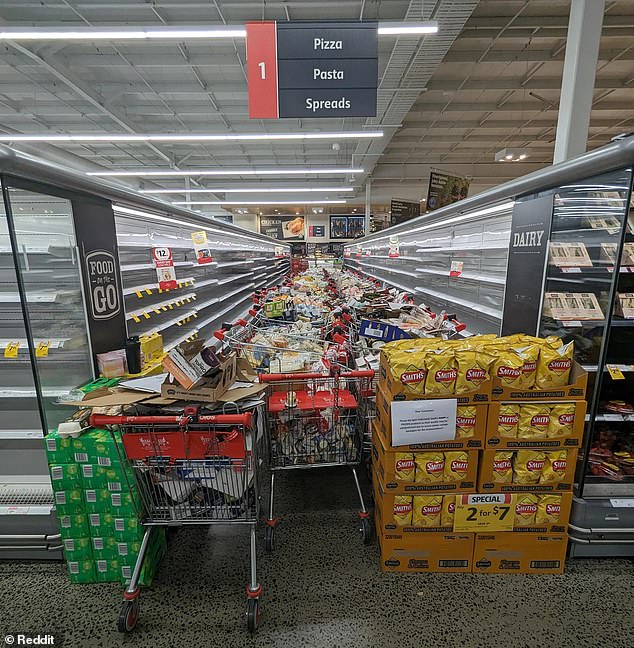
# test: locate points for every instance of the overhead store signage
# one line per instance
(317, 230)
(403, 210)
(445, 189)
(312, 69)
(347, 227)
(283, 227)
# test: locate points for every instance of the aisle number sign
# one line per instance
(312, 69)
(484, 512)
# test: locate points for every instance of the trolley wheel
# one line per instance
(128, 616)
(253, 614)
(365, 530)
(269, 538)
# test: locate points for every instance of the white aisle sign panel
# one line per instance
(164, 264)
(423, 421)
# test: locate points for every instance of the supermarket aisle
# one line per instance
(323, 589)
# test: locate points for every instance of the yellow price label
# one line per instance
(146, 316)
(148, 291)
(11, 350)
(41, 350)
(615, 372)
(484, 512)
(170, 306)
(138, 293)
(136, 318)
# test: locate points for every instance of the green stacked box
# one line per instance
(98, 506)
(157, 547)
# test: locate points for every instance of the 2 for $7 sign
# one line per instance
(484, 512)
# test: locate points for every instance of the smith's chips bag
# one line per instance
(508, 420)
(409, 369)
(548, 509)
(402, 510)
(529, 355)
(525, 510)
(553, 368)
(562, 420)
(528, 466)
(508, 368)
(473, 369)
(534, 422)
(456, 465)
(404, 466)
(430, 467)
(427, 510)
(441, 372)
(448, 510)
(503, 467)
(555, 467)
(465, 421)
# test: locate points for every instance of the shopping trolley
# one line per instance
(313, 421)
(191, 470)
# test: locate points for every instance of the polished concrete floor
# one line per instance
(322, 588)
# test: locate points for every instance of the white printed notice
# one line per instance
(423, 421)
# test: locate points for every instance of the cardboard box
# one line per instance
(565, 255)
(209, 390)
(395, 391)
(431, 552)
(127, 529)
(65, 476)
(575, 390)
(560, 525)
(572, 306)
(100, 524)
(517, 553)
(76, 549)
(477, 424)
(101, 447)
(73, 526)
(58, 449)
(495, 441)
(382, 331)
(486, 474)
(107, 570)
(187, 364)
(384, 461)
(69, 502)
(625, 305)
(104, 547)
(115, 478)
(82, 571)
(119, 504)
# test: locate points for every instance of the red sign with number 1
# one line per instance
(262, 70)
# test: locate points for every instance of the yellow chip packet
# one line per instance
(430, 467)
(534, 422)
(528, 466)
(448, 510)
(562, 420)
(508, 368)
(441, 372)
(404, 466)
(530, 356)
(548, 509)
(503, 467)
(409, 369)
(553, 368)
(465, 421)
(473, 370)
(508, 420)
(525, 510)
(402, 510)
(427, 510)
(554, 467)
(456, 465)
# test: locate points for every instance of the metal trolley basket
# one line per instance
(191, 470)
(314, 421)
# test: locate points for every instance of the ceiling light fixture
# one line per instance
(511, 155)
(117, 33)
(176, 137)
(299, 201)
(253, 190)
(221, 172)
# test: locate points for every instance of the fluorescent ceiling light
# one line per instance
(299, 201)
(254, 190)
(175, 137)
(116, 33)
(407, 28)
(221, 172)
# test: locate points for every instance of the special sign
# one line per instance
(303, 69)
(484, 512)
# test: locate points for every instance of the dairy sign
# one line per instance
(103, 280)
(312, 69)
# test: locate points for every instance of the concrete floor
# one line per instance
(322, 588)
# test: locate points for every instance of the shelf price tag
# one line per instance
(570, 269)
(11, 350)
(148, 291)
(136, 318)
(138, 293)
(484, 512)
(615, 372)
(41, 350)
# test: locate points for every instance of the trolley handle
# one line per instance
(99, 420)
(286, 377)
(245, 419)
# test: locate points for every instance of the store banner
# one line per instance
(283, 227)
(445, 189)
(347, 227)
(312, 69)
(318, 231)
(201, 247)
(403, 210)
(528, 249)
(164, 264)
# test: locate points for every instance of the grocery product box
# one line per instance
(58, 449)
(73, 525)
(574, 390)
(107, 570)
(518, 424)
(104, 547)
(569, 255)
(431, 471)
(398, 516)
(119, 504)
(433, 552)
(383, 331)
(127, 529)
(127, 552)
(530, 470)
(69, 502)
(101, 447)
(397, 390)
(518, 553)
(542, 512)
(101, 524)
(116, 478)
(65, 476)
(625, 305)
(81, 571)
(572, 306)
(76, 549)
(157, 548)
(471, 423)
(209, 390)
